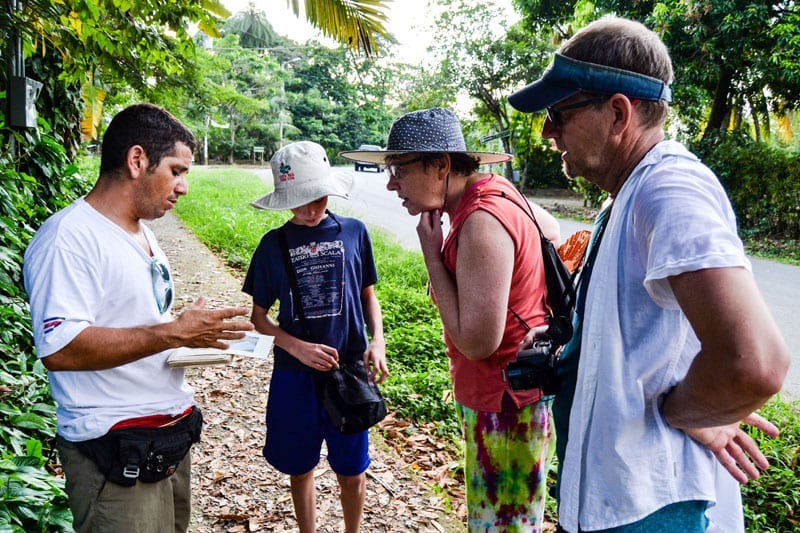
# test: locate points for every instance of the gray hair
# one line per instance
(628, 45)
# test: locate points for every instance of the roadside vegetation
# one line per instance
(32, 498)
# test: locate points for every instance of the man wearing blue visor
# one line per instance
(674, 346)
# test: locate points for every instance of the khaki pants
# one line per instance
(99, 506)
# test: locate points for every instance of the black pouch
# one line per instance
(352, 401)
(144, 454)
(560, 292)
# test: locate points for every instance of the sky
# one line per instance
(406, 21)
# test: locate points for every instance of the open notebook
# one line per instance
(254, 345)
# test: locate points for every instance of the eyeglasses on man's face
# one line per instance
(393, 169)
(162, 285)
(554, 112)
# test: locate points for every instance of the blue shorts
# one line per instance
(297, 424)
(686, 517)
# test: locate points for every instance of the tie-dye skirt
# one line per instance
(506, 464)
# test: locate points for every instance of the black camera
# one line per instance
(535, 368)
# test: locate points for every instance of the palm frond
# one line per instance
(352, 22)
(210, 27)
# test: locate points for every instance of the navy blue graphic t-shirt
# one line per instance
(333, 262)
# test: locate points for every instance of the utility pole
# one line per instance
(283, 99)
(15, 67)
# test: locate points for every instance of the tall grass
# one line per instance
(218, 211)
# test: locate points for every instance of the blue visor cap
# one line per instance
(566, 76)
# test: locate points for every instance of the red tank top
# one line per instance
(479, 385)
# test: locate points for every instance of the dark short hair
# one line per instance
(463, 163)
(148, 125)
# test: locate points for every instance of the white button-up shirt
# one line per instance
(623, 461)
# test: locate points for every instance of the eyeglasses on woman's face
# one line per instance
(554, 112)
(162, 285)
(393, 169)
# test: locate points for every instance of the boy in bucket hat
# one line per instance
(335, 273)
(487, 279)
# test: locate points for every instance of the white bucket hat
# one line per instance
(302, 173)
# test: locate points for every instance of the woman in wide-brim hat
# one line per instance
(487, 279)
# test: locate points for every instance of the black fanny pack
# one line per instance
(144, 454)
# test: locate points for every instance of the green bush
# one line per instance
(772, 502)
(542, 167)
(593, 195)
(33, 184)
(540, 164)
(762, 182)
(424, 397)
(31, 499)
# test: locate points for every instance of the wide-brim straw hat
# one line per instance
(302, 174)
(435, 130)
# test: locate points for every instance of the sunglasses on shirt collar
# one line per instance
(162, 284)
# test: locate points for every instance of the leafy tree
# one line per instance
(311, 105)
(338, 99)
(147, 44)
(558, 18)
(543, 12)
(485, 65)
(354, 23)
(421, 87)
(739, 52)
(731, 57)
(76, 44)
(130, 42)
(245, 92)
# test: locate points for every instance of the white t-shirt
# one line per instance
(623, 461)
(82, 270)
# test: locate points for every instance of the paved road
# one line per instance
(378, 207)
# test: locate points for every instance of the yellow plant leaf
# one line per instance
(93, 98)
(75, 22)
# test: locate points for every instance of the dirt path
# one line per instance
(235, 490)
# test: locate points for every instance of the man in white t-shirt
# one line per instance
(100, 295)
(674, 346)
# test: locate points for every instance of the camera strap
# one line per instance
(585, 271)
(293, 285)
(559, 281)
